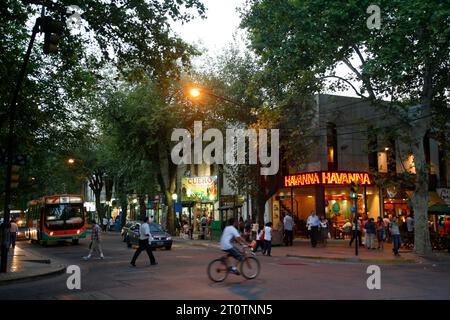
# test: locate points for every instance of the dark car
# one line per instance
(126, 230)
(158, 237)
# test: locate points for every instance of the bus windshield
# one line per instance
(64, 216)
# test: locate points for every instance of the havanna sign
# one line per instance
(327, 178)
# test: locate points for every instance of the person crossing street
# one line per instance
(144, 236)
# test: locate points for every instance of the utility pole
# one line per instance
(10, 146)
(52, 30)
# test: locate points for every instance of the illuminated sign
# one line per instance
(326, 178)
(199, 189)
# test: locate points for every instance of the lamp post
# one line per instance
(174, 198)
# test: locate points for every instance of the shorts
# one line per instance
(235, 253)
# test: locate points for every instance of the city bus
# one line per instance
(57, 217)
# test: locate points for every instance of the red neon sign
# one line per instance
(327, 178)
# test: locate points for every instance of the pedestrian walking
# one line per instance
(259, 241)
(356, 233)
(323, 230)
(370, 234)
(288, 229)
(144, 236)
(313, 223)
(268, 239)
(381, 233)
(410, 228)
(204, 224)
(95, 244)
(13, 230)
(104, 224)
(394, 230)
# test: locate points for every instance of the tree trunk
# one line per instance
(98, 205)
(260, 208)
(142, 207)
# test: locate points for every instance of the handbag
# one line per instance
(261, 237)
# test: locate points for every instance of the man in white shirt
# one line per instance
(288, 229)
(313, 222)
(230, 234)
(144, 235)
(14, 229)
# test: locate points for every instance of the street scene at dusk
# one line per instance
(225, 150)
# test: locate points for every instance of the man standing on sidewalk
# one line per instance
(144, 236)
(13, 230)
(288, 229)
(95, 242)
(313, 222)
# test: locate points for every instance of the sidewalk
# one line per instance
(25, 264)
(339, 250)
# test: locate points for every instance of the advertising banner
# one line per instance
(199, 189)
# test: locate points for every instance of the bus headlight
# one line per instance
(78, 231)
(51, 233)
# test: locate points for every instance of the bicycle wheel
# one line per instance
(217, 270)
(250, 267)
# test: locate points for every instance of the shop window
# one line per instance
(332, 146)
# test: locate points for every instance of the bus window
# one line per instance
(64, 216)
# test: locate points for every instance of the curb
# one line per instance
(354, 259)
(58, 270)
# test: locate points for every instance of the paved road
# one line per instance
(181, 274)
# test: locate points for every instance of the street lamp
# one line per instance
(196, 92)
(71, 161)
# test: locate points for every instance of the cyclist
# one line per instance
(230, 234)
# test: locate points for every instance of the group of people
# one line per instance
(318, 229)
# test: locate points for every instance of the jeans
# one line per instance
(314, 235)
(288, 237)
(370, 240)
(267, 247)
(396, 241)
(356, 234)
(95, 245)
(12, 241)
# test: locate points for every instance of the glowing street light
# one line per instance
(194, 92)
(71, 161)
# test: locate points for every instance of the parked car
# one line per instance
(126, 229)
(158, 237)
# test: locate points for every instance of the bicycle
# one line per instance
(218, 269)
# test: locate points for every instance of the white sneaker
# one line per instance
(102, 257)
(86, 258)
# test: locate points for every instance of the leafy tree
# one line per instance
(407, 60)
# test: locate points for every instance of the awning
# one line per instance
(439, 209)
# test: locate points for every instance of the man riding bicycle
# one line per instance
(230, 234)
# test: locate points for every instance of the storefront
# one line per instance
(328, 194)
(198, 198)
